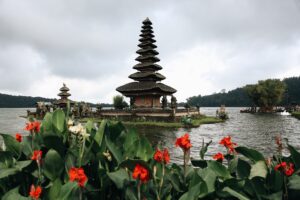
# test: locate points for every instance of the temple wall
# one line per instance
(147, 101)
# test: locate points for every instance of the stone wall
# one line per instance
(147, 101)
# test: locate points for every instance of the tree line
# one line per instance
(241, 97)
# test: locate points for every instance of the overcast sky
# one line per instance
(204, 46)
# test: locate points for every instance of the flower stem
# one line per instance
(161, 181)
(285, 192)
(139, 190)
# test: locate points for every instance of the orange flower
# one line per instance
(160, 156)
(141, 173)
(288, 169)
(18, 137)
(35, 192)
(166, 156)
(184, 142)
(219, 157)
(33, 126)
(37, 155)
(77, 174)
(226, 141)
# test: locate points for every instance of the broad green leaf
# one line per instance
(274, 180)
(22, 164)
(118, 177)
(114, 149)
(6, 159)
(67, 191)
(130, 164)
(7, 172)
(199, 163)
(89, 126)
(55, 142)
(294, 182)
(243, 169)
(46, 127)
(130, 137)
(100, 132)
(219, 169)
(235, 193)
(13, 194)
(144, 149)
(258, 169)
(54, 189)
(54, 165)
(58, 120)
(12, 145)
(130, 194)
(295, 156)
(209, 177)
(250, 154)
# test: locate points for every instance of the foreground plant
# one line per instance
(63, 159)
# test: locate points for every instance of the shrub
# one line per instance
(61, 159)
(119, 103)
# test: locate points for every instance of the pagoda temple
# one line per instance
(64, 94)
(147, 89)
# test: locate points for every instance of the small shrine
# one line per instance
(64, 94)
(146, 90)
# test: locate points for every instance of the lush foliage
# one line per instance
(266, 94)
(239, 97)
(119, 102)
(61, 159)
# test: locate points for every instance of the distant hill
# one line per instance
(239, 98)
(11, 101)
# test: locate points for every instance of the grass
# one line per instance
(195, 122)
(296, 114)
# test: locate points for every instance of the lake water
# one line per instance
(256, 131)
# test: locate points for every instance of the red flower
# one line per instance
(37, 155)
(77, 174)
(226, 141)
(219, 157)
(288, 169)
(141, 173)
(166, 156)
(35, 192)
(18, 137)
(184, 142)
(160, 156)
(33, 126)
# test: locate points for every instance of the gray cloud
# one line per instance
(238, 42)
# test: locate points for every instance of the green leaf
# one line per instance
(130, 137)
(58, 120)
(258, 169)
(199, 163)
(114, 149)
(295, 156)
(100, 132)
(130, 164)
(54, 165)
(219, 169)
(144, 149)
(12, 145)
(46, 127)
(275, 180)
(235, 193)
(243, 169)
(250, 154)
(203, 149)
(119, 177)
(13, 194)
(294, 182)
(55, 142)
(55, 189)
(89, 126)
(6, 159)
(7, 172)
(66, 192)
(22, 164)
(130, 194)
(209, 177)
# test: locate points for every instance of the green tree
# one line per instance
(266, 94)
(119, 103)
